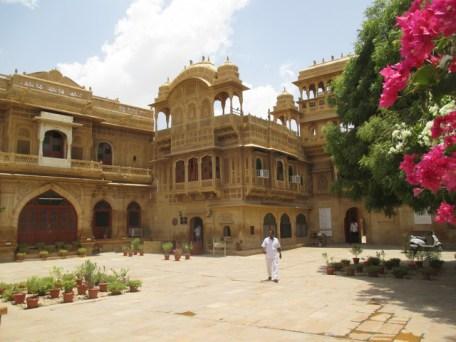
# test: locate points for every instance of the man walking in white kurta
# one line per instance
(271, 247)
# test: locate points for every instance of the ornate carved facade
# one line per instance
(77, 166)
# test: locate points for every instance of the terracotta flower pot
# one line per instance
(133, 289)
(130, 254)
(93, 293)
(1, 290)
(32, 302)
(54, 293)
(356, 260)
(141, 253)
(166, 256)
(135, 252)
(68, 297)
(330, 270)
(103, 287)
(187, 256)
(19, 297)
(82, 289)
(125, 253)
(78, 282)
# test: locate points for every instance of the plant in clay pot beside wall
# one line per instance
(177, 254)
(330, 269)
(68, 294)
(167, 248)
(134, 285)
(187, 249)
(356, 250)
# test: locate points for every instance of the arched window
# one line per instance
(226, 231)
(206, 167)
(269, 222)
(301, 226)
(102, 220)
(180, 171)
(193, 170)
(162, 121)
(236, 104)
(104, 153)
(290, 173)
(312, 91)
(321, 88)
(54, 144)
(279, 171)
(133, 218)
(217, 167)
(258, 164)
(285, 227)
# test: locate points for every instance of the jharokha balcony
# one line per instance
(30, 164)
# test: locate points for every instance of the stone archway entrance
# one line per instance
(47, 218)
(269, 222)
(197, 235)
(352, 215)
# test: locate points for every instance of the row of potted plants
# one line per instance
(44, 254)
(429, 267)
(88, 278)
(135, 247)
(183, 248)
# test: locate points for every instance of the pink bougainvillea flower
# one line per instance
(431, 169)
(444, 125)
(452, 66)
(408, 166)
(395, 79)
(444, 12)
(445, 213)
(417, 191)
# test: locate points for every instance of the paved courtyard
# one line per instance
(225, 299)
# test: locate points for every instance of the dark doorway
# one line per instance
(269, 222)
(102, 220)
(104, 153)
(133, 218)
(197, 235)
(285, 226)
(352, 226)
(47, 218)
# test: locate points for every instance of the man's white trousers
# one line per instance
(272, 265)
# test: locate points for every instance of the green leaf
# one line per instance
(425, 76)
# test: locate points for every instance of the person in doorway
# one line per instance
(354, 231)
(271, 247)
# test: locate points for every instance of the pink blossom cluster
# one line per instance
(437, 168)
(421, 25)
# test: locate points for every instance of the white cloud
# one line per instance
(259, 99)
(27, 3)
(155, 40)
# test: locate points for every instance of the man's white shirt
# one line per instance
(270, 246)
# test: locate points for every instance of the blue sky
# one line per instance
(127, 48)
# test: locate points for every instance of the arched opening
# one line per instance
(279, 171)
(269, 222)
(258, 164)
(221, 104)
(206, 167)
(133, 218)
(102, 220)
(301, 226)
(193, 170)
(321, 89)
(294, 126)
(104, 153)
(236, 104)
(197, 235)
(162, 121)
(180, 171)
(352, 226)
(54, 144)
(290, 173)
(285, 226)
(313, 131)
(329, 86)
(304, 94)
(312, 91)
(226, 231)
(47, 218)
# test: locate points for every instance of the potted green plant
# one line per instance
(43, 254)
(20, 256)
(330, 270)
(68, 294)
(134, 285)
(32, 301)
(19, 296)
(141, 251)
(116, 287)
(350, 270)
(93, 292)
(356, 250)
(125, 250)
(177, 254)
(187, 249)
(167, 248)
(400, 272)
(135, 245)
(345, 262)
(63, 253)
(82, 251)
(373, 270)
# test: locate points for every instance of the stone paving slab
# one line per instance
(226, 299)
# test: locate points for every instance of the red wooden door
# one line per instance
(47, 218)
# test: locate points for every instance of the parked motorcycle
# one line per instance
(424, 241)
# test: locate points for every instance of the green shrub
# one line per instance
(345, 262)
(63, 252)
(89, 270)
(82, 251)
(39, 285)
(22, 248)
(68, 246)
(338, 266)
(373, 270)
(39, 246)
(134, 283)
(393, 262)
(68, 285)
(43, 254)
(167, 247)
(400, 272)
(135, 244)
(356, 250)
(59, 245)
(187, 247)
(436, 264)
(373, 261)
(116, 287)
(50, 248)
(121, 276)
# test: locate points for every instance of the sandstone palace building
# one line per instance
(78, 167)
